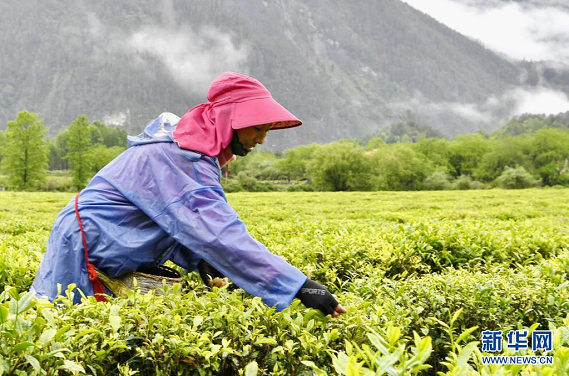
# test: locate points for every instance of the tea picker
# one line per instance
(162, 200)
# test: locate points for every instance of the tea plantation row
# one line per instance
(421, 273)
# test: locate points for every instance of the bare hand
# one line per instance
(339, 310)
(219, 282)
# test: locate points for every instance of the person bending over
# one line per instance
(162, 200)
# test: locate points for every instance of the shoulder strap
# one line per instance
(98, 287)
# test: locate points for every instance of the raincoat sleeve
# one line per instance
(181, 192)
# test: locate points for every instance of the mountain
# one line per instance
(347, 69)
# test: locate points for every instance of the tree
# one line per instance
(2, 142)
(58, 151)
(550, 155)
(437, 151)
(295, 162)
(466, 152)
(399, 167)
(464, 182)
(25, 152)
(259, 164)
(340, 166)
(504, 152)
(375, 143)
(530, 123)
(409, 131)
(106, 143)
(103, 135)
(101, 155)
(516, 178)
(79, 154)
(437, 181)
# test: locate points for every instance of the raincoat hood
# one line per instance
(235, 101)
(159, 130)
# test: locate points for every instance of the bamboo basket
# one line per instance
(151, 279)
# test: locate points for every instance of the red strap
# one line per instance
(98, 287)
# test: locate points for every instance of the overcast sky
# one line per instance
(524, 29)
(535, 30)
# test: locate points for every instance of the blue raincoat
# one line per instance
(155, 202)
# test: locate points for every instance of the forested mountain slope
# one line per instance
(346, 68)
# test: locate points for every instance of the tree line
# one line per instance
(530, 151)
(83, 148)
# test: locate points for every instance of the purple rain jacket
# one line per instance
(157, 202)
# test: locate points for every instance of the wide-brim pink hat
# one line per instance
(253, 103)
(236, 101)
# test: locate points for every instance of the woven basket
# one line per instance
(151, 279)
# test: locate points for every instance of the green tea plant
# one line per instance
(422, 274)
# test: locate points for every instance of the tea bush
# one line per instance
(422, 274)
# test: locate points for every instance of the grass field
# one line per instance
(422, 274)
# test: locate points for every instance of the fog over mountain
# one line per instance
(346, 69)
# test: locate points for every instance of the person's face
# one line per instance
(252, 136)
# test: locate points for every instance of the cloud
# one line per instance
(193, 59)
(96, 28)
(432, 110)
(530, 30)
(538, 101)
(494, 111)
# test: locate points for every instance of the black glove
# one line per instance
(314, 295)
(208, 272)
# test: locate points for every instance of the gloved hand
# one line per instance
(210, 275)
(314, 295)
